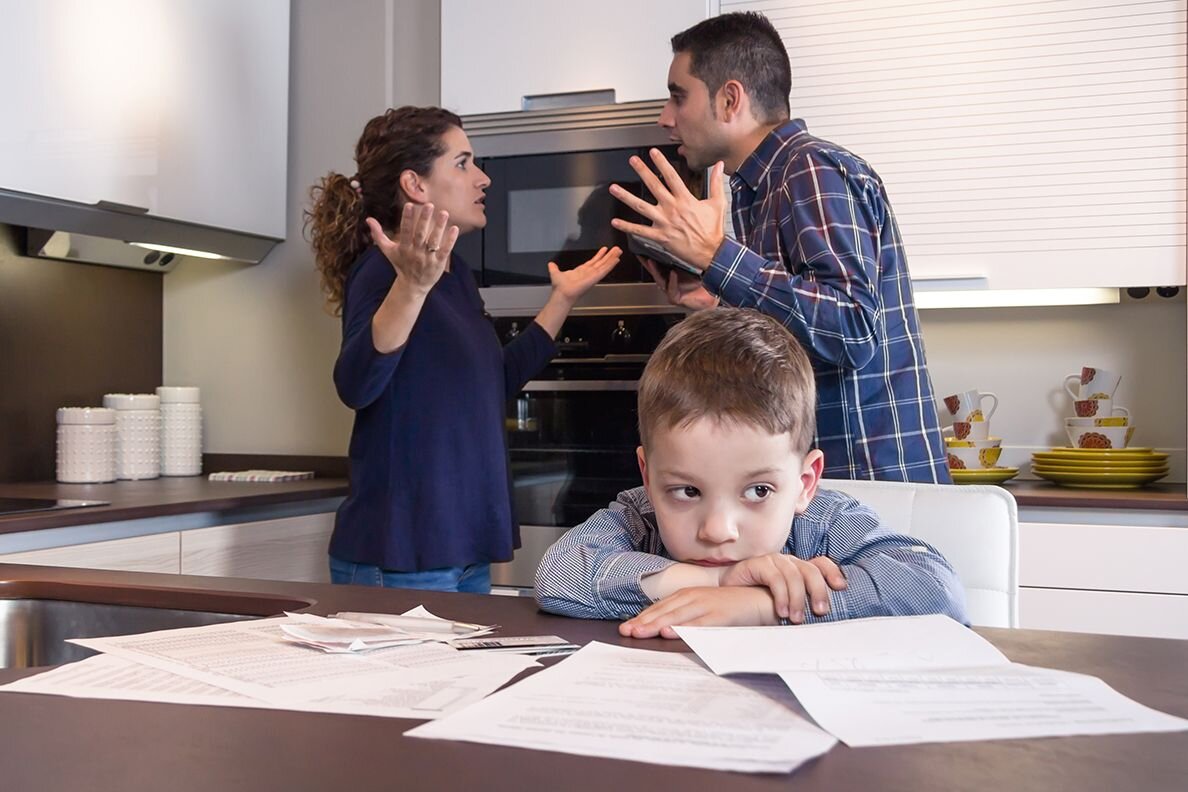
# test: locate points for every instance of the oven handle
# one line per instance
(582, 385)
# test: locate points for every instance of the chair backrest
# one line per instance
(975, 527)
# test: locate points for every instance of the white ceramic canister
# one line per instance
(86, 451)
(181, 431)
(138, 434)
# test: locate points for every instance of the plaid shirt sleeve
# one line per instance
(826, 291)
(595, 570)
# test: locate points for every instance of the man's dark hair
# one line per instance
(741, 46)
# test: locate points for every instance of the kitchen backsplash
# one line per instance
(68, 334)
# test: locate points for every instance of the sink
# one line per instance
(36, 617)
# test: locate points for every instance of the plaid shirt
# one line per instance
(595, 570)
(818, 249)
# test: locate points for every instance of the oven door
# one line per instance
(572, 449)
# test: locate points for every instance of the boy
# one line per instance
(726, 419)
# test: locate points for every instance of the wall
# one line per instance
(256, 339)
(1023, 355)
(68, 334)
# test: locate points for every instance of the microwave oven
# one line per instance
(549, 200)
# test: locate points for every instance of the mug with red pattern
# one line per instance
(967, 407)
(1092, 383)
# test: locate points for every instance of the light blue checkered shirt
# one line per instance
(594, 570)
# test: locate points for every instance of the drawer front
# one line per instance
(1103, 557)
(1109, 612)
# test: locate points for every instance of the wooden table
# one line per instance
(54, 743)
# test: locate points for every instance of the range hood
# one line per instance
(121, 236)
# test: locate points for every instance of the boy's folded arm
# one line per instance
(887, 574)
(595, 570)
(896, 576)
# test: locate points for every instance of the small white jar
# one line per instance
(138, 434)
(86, 451)
(181, 431)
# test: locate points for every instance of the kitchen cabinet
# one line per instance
(153, 553)
(292, 548)
(177, 107)
(495, 53)
(1104, 578)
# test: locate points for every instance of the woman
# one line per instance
(430, 502)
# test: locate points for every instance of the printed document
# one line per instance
(645, 706)
(110, 677)
(952, 705)
(916, 679)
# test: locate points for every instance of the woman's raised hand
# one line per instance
(421, 250)
(572, 284)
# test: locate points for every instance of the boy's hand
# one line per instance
(703, 607)
(791, 580)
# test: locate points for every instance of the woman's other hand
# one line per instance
(572, 284)
(420, 253)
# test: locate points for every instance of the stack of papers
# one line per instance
(916, 679)
(363, 632)
(256, 664)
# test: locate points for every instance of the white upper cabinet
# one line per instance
(493, 53)
(179, 107)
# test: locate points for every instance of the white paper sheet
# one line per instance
(107, 676)
(646, 706)
(254, 659)
(855, 645)
(952, 705)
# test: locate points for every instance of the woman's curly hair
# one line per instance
(403, 138)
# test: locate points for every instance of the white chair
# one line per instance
(975, 527)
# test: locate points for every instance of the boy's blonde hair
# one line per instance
(732, 364)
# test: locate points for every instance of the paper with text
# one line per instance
(996, 703)
(646, 706)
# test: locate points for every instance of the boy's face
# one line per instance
(724, 492)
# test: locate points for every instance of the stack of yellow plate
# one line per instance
(993, 475)
(1100, 468)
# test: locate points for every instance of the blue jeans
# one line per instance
(474, 579)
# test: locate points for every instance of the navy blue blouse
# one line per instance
(430, 481)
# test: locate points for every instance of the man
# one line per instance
(817, 246)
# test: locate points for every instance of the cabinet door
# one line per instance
(179, 107)
(1108, 612)
(494, 53)
(293, 548)
(154, 553)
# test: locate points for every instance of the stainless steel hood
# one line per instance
(121, 236)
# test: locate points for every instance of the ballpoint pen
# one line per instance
(416, 623)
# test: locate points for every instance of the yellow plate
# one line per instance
(1054, 467)
(1090, 465)
(995, 475)
(1084, 479)
(1101, 455)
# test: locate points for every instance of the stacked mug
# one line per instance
(138, 434)
(181, 431)
(1097, 422)
(966, 418)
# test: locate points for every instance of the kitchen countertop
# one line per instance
(56, 742)
(162, 497)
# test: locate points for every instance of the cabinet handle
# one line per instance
(568, 99)
(120, 207)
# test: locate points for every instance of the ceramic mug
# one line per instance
(1092, 383)
(1115, 437)
(968, 430)
(972, 458)
(967, 407)
(1098, 408)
